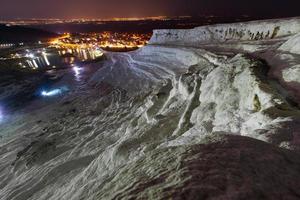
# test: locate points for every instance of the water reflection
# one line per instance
(46, 58)
(1, 114)
(82, 54)
(69, 60)
(52, 57)
(77, 70)
(54, 92)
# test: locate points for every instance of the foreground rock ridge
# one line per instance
(207, 113)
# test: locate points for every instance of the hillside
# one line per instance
(12, 34)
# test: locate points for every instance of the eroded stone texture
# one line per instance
(224, 167)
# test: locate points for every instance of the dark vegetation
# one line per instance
(13, 34)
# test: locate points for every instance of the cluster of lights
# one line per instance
(81, 20)
(37, 58)
(103, 40)
(31, 58)
(83, 54)
(6, 45)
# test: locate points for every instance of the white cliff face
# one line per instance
(249, 31)
(167, 122)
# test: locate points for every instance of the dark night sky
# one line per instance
(138, 8)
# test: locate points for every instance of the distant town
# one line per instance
(28, 22)
(105, 40)
(69, 48)
(41, 44)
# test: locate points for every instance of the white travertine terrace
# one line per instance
(211, 112)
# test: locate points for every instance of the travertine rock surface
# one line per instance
(181, 118)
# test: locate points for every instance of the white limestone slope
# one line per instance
(292, 45)
(167, 121)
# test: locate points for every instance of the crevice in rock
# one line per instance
(256, 104)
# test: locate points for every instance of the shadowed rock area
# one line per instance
(222, 167)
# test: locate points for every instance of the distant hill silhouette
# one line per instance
(23, 34)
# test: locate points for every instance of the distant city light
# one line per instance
(104, 40)
(30, 55)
